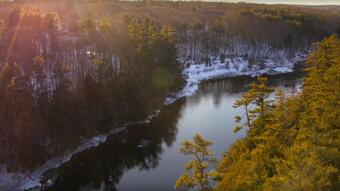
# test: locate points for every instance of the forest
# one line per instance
(70, 70)
(42, 96)
(292, 142)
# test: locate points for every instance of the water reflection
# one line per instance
(236, 85)
(102, 167)
(145, 157)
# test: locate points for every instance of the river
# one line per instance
(145, 156)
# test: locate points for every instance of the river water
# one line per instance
(145, 156)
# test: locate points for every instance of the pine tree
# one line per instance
(298, 147)
(168, 46)
(40, 89)
(261, 93)
(52, 24)
(88, 27)
(218, 26)
(2, 27)
(17, 125)
(245, 101)
(201, 166)
(258, 96)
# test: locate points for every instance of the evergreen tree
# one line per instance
(258, 96)
(218, 26)
(17, 123)
(168, 46)
(245, 101)
(40, 92)
(201, 175)
(2, 27)
(88, 27)
(298, 147)
(52, 24)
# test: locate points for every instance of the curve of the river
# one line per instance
(145, 156)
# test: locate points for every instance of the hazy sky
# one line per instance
(309, 2)
(303, 2)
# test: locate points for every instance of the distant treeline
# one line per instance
(275, 24)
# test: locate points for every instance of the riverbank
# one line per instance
(193, 74)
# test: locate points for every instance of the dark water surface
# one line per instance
(145, 157)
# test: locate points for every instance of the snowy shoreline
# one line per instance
(197, 73)
(18, 181)
(194, 74)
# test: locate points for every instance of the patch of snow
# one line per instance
(18, 181)
(143, 143)
(22, 181)
(195, 73)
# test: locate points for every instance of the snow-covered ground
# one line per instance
(18, 181)
(194, 74)
(21, 181)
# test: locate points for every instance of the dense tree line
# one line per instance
(292, 142)
(28, 27)
(292, 16)
(294, 145)
(274, 25)
(48, 102)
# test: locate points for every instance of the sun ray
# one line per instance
(14, 36)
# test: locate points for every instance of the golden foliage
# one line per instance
(298, 149)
